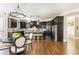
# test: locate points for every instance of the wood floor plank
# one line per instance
(50, 47)
(46, 47)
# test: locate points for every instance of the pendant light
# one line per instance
(17, 13)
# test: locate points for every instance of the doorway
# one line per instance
(70, 27)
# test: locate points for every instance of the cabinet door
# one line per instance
(60, 32)
(12, 23)
(60, 20)
(22, 24)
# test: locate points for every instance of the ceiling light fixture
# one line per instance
(17, 13)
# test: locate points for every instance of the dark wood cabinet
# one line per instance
(12, 23)
(59, 22)
(22, 24)
(43, 24)
(60, 32)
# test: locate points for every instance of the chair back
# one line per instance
(20, 41)
(30, 36)
(16, 35)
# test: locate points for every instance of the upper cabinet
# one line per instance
(57, 20)
(12, 23)
(16, 23)
(22, 24)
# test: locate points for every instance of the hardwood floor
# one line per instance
(49, 47)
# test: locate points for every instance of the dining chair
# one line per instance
(18, 46)
(29, 40)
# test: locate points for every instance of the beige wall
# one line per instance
(77, 27)
(74, 13)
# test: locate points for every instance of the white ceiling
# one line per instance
(44, 10)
